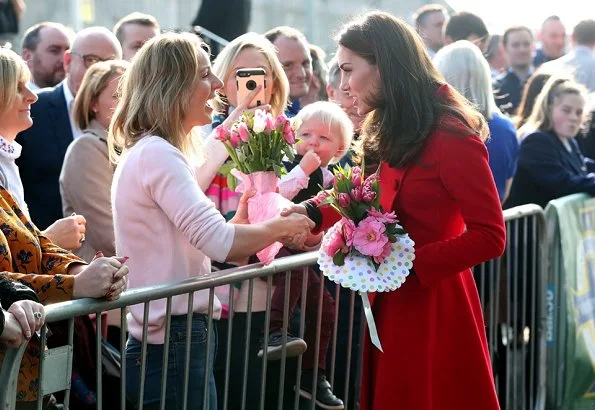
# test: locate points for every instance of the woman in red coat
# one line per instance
(434, 173)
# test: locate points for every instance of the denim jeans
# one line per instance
(175, 367)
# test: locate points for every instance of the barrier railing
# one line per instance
(511, 288)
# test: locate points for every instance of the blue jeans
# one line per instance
(175, 367)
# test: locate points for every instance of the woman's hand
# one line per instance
(241, 215)
(29, 315)
(294, 209)
(13, 335)
(294, 229)
(103, 277)
(243, 107)
(67, 233)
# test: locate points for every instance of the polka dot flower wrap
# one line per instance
(367, 250)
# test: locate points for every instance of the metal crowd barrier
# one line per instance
(511, 289)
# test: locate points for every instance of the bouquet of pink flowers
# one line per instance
(367, 250)
(257, 145)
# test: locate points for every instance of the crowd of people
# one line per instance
(111, 177)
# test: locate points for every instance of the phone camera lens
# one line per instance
(251, 84)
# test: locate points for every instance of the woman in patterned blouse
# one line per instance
(26, 255)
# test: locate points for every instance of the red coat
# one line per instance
(431, 329)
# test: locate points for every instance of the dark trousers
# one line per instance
(312, 305)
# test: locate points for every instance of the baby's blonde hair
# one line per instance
(331, 116)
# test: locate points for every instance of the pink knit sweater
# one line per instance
(167, 226)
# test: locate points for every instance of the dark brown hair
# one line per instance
(408, 106)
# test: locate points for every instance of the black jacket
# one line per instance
(44, 146)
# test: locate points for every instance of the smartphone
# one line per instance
(247, 79)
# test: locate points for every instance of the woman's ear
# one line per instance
(94, 108)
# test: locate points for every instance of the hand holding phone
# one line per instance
(247, 80)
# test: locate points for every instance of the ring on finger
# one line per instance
(37, 315)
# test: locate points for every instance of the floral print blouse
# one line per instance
(32, 259)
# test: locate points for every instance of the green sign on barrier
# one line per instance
(571, 304)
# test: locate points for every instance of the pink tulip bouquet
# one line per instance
(367, 250)
(257, 144)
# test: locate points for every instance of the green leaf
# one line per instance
(231, 182)
(329, 200)
(226, 168)
(339, 258)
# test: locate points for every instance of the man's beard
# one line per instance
(47, 79)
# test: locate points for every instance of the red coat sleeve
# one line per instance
(464, 172)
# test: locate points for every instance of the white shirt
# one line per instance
(69, 97)
(10, 178)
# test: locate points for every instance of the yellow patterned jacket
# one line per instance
(31, 258)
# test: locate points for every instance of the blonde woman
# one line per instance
(164, 221)
(551, 164)
(86, 177)
(250, 50)
(466, 69)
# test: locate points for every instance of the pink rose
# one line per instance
(370, 237)
(386, 251)
(368, 194)
(334, 242)
(221, 133)
(343, 200)
(356, 194)
(387, 218)
(348, 228)
(243, 132)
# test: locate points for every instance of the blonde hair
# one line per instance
(13, 70)
(224, 62)
(556, 87)
(465, 68)
(331, 116)
(94, 82)
(155, 95)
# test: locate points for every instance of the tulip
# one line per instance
(243, 132)
(357, 194)
(221, 133)
(368, 194)
(344, 200)
(234, 138)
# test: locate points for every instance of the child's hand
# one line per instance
(310, 162)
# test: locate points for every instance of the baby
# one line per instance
(324, 137)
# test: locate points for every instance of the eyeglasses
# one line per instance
(90, 59)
